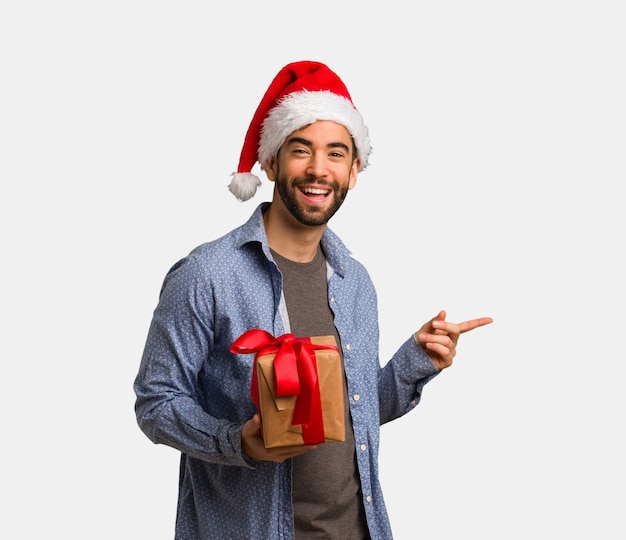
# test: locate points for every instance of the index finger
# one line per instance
(474, 323)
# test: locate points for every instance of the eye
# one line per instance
(337, 155)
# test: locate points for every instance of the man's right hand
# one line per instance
(252, 444)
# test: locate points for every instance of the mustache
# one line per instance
(297, 182)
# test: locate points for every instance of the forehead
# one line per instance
(323, 131)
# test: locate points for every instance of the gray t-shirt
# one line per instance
(327, 494)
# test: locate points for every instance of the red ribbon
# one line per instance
(295, 374)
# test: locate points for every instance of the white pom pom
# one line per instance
(244, 185)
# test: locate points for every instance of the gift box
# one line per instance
(297, 385)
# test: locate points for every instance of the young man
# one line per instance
(283, 272)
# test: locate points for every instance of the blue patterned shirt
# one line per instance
(193, 394)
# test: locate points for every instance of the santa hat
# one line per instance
(301, 93)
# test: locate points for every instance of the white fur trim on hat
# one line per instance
(300, 109)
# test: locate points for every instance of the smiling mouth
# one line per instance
(315, 192)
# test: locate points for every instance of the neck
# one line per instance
(290, 238)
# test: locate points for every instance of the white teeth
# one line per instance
(315, 191)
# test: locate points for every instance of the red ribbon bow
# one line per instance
(295, 374)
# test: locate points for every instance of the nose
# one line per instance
(317, 166)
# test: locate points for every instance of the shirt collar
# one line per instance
(337, 254)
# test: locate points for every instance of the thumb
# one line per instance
(441, 316)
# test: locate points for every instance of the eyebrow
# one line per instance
(307, 142)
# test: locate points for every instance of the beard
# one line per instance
(309, 214)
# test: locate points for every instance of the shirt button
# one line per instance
(332, 298)
(413, 402)
(368, 498)
(363, 447)
(356, 397)
(348, 347)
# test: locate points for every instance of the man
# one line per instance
(283, 271)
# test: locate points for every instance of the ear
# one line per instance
(271, 169)
(354, 169)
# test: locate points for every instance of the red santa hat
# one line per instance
(300, 94)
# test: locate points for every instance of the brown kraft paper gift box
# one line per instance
(277, 412)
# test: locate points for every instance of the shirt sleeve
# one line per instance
(179, 341)
(401, 380)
